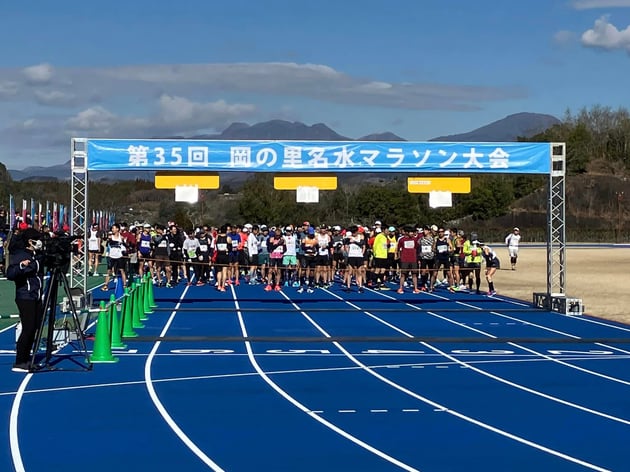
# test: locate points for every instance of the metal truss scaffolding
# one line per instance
(79, 222)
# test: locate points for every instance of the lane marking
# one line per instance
(437, 406)
(300, 406)
(495, 313)
(160, 407)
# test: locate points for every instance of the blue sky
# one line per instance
(418, 68)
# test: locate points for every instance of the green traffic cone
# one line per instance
(135, 313)
(140, 303)
(102, 351)
(145, 296)
(114, 324)
(127, 316)
(151, 298)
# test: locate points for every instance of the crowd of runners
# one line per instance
(304, 257)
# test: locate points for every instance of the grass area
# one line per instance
(7, 299)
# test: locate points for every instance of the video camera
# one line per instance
(57, 249)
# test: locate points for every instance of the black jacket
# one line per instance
(28, 279)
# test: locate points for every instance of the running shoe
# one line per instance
(268, 288)
(21, 367)
(400, 290)
(278, 288)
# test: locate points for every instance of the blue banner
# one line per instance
(313, 156)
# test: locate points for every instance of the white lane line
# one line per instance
(14, 439)
(411, 410)
(299, 371)
(566, 364)
(576, 318)
(160, 407)
(558, 361)
(300, 406)
(379, 411)
(439, 407)
(346, 411)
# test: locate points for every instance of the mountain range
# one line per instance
(507, 129)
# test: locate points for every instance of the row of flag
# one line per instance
(55, 215)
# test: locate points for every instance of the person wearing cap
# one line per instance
(263, 254)
(26, 271)
(145, 248)
(459, 259)
(392, 253)
(472, 250)
(442, 248)
(289, 260)
(426, 256)
(492, 265)
(355, 247)
(338, 256)
(94, 249)
(276, 246)
(380, 249)
(310, 250)
(407, 248)
(116, 251)
(253, 248)
(324, 264)
(511, 241)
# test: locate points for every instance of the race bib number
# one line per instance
(115, 253)
(442, 249)
(408, 244)
(426, 249)
(222, 247)
(146, 244)
(203, 248)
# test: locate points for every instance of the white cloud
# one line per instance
(592, 4)
(564, 37)
(287, 80)
(173, 115)
(40, 74)
(8, 89)
(605, 35)
(55, 98)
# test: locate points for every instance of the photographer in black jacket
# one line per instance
(26, 271)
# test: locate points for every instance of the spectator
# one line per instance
(511, 241)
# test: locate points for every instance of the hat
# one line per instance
(391, 229)
(337, 228)
(263, 227)
(31, 233)
(516, 229)
(288, 228)
(360, 229)
(434, 228)
(247, 225)
(377, 223)
(306, 223)
(146, 225)
(311, 230)
(22, 226)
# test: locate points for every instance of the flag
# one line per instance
(12, 211)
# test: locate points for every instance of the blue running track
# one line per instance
(248, 380)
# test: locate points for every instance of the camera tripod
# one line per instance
(48, 319)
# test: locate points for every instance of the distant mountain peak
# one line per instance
(508, 129)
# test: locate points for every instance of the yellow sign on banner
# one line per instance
(438, 184)
(293, 181)
(203, 180)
